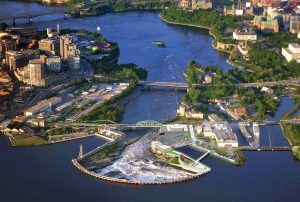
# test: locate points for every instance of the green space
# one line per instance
(100, 7)
(211, 19)
(262, 103)
(28, 141)
(173, 160)
(292, 132)
(187, 160)
(105, 111)
(240, 159)
(297, 152)
(61, 131)
(221, 151)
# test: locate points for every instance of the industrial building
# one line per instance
(221, 132)
(43, 106)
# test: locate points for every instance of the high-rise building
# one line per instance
(49, 46)
(17, 59)
(294, 24)
(54, 63)
(7, 45)
(69, 51)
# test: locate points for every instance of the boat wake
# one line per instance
(138, 164)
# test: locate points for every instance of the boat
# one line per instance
(98, 28)
(159, 44)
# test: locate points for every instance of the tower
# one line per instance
(80, 152)
(57, 29)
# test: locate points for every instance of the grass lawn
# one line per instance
(174, 160)
(28, 141)
(292, 132)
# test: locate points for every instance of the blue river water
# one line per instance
(46, 173)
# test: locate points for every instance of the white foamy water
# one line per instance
(137, 163)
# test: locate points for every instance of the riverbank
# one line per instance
(40, 141)
(229, 61)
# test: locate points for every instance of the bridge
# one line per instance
(184, 85)
(155, 124)
(29, 16)
(140, 124)
(266, 148)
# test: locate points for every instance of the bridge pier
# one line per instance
(14, 21)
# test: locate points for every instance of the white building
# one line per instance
(221, 132)
(292, 52)
(244, 35)
(158, 148)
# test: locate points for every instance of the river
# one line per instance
(46, 173)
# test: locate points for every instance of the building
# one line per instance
(195, 4)
(22, 31)
(185, 4)
(49, 46)
(205, 78)
(207, 130)
(158, 148)
(294, 24)
(214, 118)
(224, 135)
(54, 63)
(244, 35)
(7, 45)
(17, 59)
(188, 112)
(267, 90)
(55, 1)
(292, 52)
(221, 132)
(266, 23)
(74, 62)
(239, 9)
(243, 49)
(4, 77)
(69, 50)
(36, 72)
(240, 111)
(43, 106)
